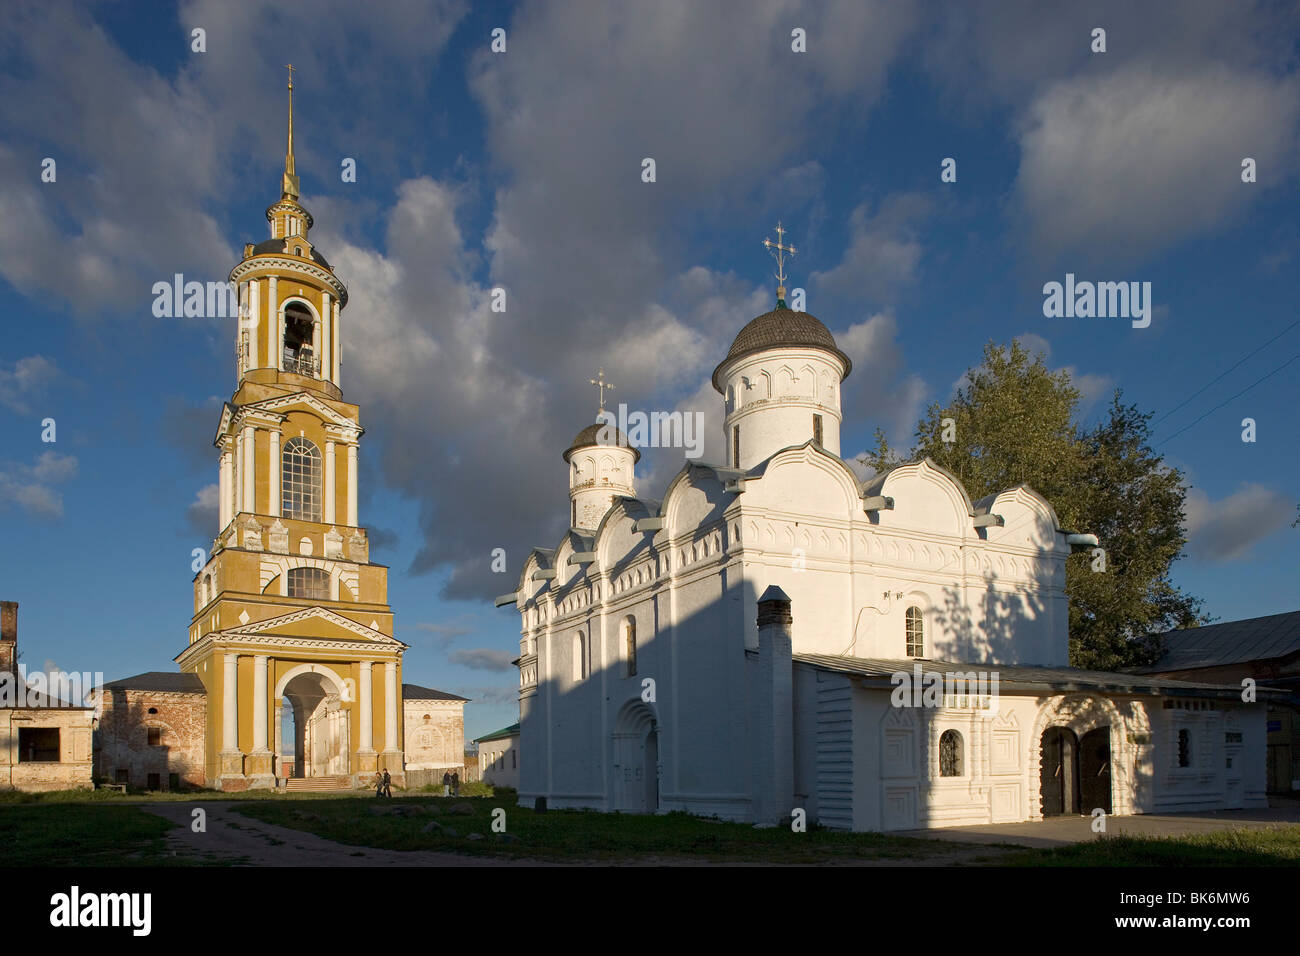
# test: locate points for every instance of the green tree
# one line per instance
(1014, 422)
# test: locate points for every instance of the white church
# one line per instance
(771, 635)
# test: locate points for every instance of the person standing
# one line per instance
(378, 784)
(388, 785)
(455, 784)
(446, 784)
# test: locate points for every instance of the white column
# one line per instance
(323, 355)
(336, 344)
(223, 487)
(276, 317)
(259, 703)
(352, 484)
(241, 331)
(230, 704)
(248, 502)
(254, 322)
(364, 702)
(390, 706)
(329, 481)
(273, 473)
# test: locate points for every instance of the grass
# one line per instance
(576, 835)
(94, 835)
(1254, 846)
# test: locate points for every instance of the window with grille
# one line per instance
(950, 754)
(915, 633)
(1184, 748)
(817, 429)
(155, 736)
(300, 480)
(735, 446)
(309, 583)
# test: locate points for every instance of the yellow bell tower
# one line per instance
(289, 609)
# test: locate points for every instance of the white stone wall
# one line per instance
(498, 761)
(434, 734)
(773, 396)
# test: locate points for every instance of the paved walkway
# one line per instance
(1059, 831)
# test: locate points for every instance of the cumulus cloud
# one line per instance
(879, 392)
(28, 379)
(1092, 386)
(31, 487)
(483, 658)
(204, 511)
(1226, 529)
(442, 634)
(884, 252)
(1119, 164)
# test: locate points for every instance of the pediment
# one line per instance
(314, 623)
(303, 401)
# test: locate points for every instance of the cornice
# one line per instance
(294, 266)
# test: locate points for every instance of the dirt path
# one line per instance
(233, 838)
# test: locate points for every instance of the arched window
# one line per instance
(915, 632)
(299, 330)
(950, 756)
(629, 639)
(579, 656)
(309, 583)
(300, 480)
(207, 588)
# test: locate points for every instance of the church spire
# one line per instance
(289, 186)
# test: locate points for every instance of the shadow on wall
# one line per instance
(136, 746)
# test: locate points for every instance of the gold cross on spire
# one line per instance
(779, 251)
(601, 385)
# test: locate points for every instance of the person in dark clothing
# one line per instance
(378, 784)
(446, 784)
(455, 784)
(388, 784)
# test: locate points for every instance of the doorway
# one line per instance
(1059, 785)
(1094, 770)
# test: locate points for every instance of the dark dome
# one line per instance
(280, 245)
(590, 437)
(782, 328)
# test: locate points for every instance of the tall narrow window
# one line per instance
(309, 583)
(950, 755)
(1184, 748)
(735, 446)
(579, 656)
(300, 480)
(299, 330)
(817, 429)
(915, 632)
(629, 637)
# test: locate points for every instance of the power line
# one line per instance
(1230, 398)
(1213, 380)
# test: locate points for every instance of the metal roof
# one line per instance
(511, 731)
(416, 692)
(1232, 642)
(169, 681)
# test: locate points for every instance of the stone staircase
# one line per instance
(317, 784)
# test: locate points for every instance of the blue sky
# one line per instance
(523, 170)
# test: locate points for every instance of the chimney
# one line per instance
(9, 637)
(774, 714)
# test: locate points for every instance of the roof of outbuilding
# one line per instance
(416, 692)
(511, 731)
(782, 328)
(1232, 642)
(167, 681)
(590, 437)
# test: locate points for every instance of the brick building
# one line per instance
(151, 732)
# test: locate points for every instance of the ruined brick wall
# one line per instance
(72, 770)
(124, 749)
(435, 734)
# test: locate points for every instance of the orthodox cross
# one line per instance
(601, 385)
(289, 67)
(779, 251)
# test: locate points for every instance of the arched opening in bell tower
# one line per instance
(299, 333)
(320, 726)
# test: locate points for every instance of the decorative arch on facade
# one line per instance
(1081, 713)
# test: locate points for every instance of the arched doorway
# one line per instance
(1094, 770)
(321, 744)
(1059, 784)
(636, 759)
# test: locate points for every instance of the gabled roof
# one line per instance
(511, 731)
(416, 692)
(1232, 642)
(170, 682)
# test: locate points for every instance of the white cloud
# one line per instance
(30, 487)
(483, 658)
(1226, 530)
(204, 511)
(884, 252)
(1125, 162)
(28, 379)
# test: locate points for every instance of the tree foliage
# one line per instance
(1013, 422)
